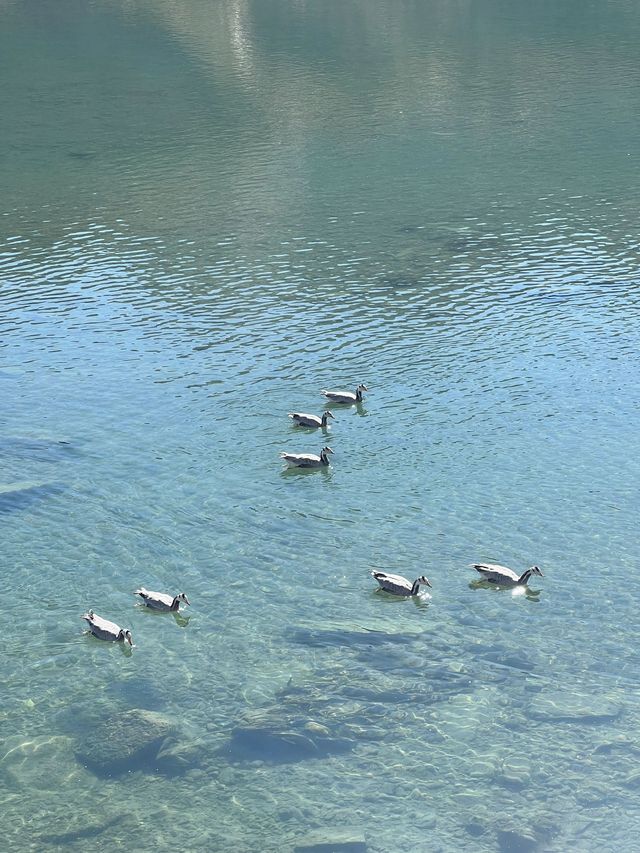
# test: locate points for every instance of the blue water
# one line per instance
(210, 213)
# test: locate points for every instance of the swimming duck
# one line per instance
(346, 396)
(494, 573)
(105, 630)
(160, 600)
(307, 460)
(303, 420)
(399, 585)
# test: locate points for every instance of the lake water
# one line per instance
(210, 211)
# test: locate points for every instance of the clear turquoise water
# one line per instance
(210, 211)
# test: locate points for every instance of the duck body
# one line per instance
(397, 585)
(302, 419)
(161, 600)
(105, 630)
(504, 576)
(307, 460)
(348, 397)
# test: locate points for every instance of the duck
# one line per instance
(307, 460)
(160, 600)
(346, 396)
(493, 573)
(398, 585)
(301, 419)
(105, 630)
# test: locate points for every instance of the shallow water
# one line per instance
(209, 214)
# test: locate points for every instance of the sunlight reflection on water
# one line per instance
(225, 216)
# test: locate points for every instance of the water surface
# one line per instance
(211, 212)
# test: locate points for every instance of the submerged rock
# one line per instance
(632, 780)
(516, 841)
(345, 638)
(14, 496)
(283, 746)
(83, 833)
(177, 756)
(621, 744)
(557, 706)
(124, 742)
(332, 841)
(277, 740)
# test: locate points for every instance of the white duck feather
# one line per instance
(495, 573)
(302, 419)
(307, 460)
(398, 585)
(346, 396)
(161, 600)
(106, 630)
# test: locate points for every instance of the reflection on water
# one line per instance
(211, 213)
(517, 592)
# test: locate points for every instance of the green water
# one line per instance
(210, 211)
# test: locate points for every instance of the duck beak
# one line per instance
(186, 601)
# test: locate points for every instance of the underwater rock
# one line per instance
(593, 795)
(124, 742)
(516, 841)
(475, 829)
(83, 833)
(621, 744)
(26, 762)
(20, 494)
(557, 706)
(177, 756)
(632, 781)
(510, 660)
(281, 741)
(429, 695)
(354, 707)
(332, 841)
(282, 746)
(227, 776)
(345, 638)
(514, 774)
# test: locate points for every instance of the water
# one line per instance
(210, 213)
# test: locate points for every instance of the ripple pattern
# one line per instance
(212, 213)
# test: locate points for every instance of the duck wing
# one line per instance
(301, 458)
(155, 598)
(385, 576)
(303, 419)
(495, 569)
(393, 583)
(103, 627)
(340, 396)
